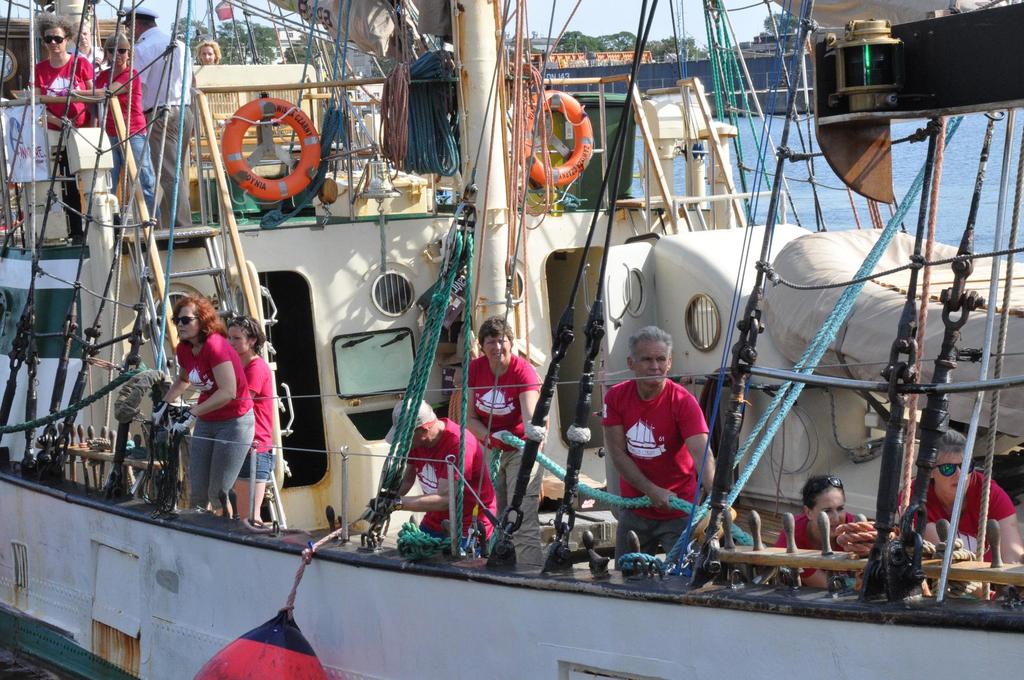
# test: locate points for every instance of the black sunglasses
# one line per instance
(183, 320)
(120, 50)
(54, 39)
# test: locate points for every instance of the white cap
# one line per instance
(145, 12)
(424, 416)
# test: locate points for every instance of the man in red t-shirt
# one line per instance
(656, 436)
(942, 493)
(433, 441)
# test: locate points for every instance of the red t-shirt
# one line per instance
(58, 82)
(498, 404)
(261, 387)
(199, 369)
(656, 432)
(804, 542)
(133, 112)
(999, 507)
(431, 466)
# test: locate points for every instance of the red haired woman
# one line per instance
(226, 425)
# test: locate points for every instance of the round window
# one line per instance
(392, 293)
(703, 323)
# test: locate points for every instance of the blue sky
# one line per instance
(594, 17)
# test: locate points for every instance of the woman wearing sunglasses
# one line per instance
(123, 81)
(58, 75)
(822, 493)
(247, 338)
(942, 492)
(61, 73)
(225, 427)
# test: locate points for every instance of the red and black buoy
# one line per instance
(275, 650)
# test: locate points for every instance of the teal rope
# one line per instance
(73, 408)
(415, 544)
(681, 504)
(467, 338)
(808, 361)
(394, 466)
(640, 562)
(433, 132)
(788, 392)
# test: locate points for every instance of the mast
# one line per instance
(477, 35)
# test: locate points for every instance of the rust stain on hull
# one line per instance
(118, 648)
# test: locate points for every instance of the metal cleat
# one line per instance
(329, 511)
(727, 542)
(598, 563)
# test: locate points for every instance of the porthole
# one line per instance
(703, 323)
(392, 293)
(635, 298)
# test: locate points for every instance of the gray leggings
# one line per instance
(218, 449)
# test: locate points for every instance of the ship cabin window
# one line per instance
(373, 362)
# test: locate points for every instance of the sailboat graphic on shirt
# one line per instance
(495, 401)
(428, 479)
(640, 441)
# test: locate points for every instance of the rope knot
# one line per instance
(917, 261)
(578, 435)
(536, 433)
(769, 271)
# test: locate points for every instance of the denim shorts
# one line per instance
(264, 466)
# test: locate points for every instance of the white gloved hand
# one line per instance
(159, 409)
(183, 422)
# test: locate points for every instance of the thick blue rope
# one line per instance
(808, 362)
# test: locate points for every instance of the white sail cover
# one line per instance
(861, 349)
(836, 13)
(371, 23)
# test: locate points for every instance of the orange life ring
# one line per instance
(566, 173)
(262, 111)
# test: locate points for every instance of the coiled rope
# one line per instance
(433, 140)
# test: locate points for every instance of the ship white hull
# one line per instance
(185, 596)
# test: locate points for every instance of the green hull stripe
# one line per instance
(29, 636)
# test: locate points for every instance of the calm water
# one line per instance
(958, 175)
(17, 668)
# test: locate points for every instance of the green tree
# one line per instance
(665, 50)
(574, 41)
(233, 37)
(784, 27)
(623, 41)
(200, 32)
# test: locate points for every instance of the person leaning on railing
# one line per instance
(161, 64)
(223, 416)
(942, 492)
(122, 81)
(58, 75)
(821, 493)
(434, 441)
(504, 392)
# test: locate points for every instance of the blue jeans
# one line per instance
(144, 164)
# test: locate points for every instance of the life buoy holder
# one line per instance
(268, 111)
(583, 132)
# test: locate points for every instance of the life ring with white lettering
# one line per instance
(583, 148)
(268, 111)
